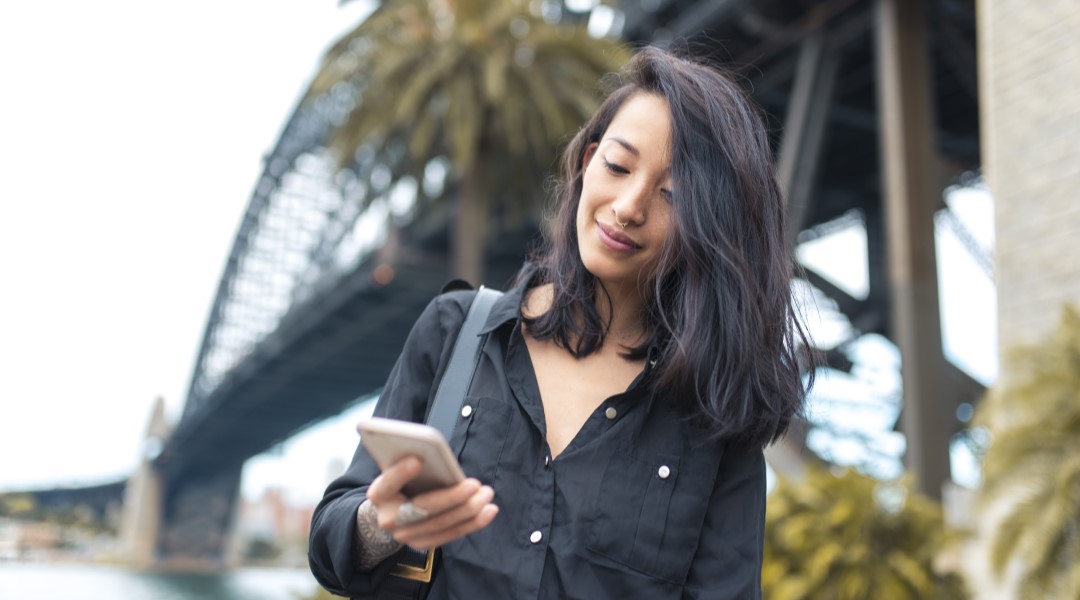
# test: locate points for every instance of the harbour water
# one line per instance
(52, 581)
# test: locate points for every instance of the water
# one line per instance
(43, 581)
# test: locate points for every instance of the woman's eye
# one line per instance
(666, 194)
(614, 168)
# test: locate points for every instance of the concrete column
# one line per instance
(140, 523)
(1029, 105)
(1029, 96)
(911, 196)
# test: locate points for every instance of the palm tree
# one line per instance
(487, 84)
(851, 537)
(1033, 463)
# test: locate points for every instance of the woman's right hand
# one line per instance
(452, 512)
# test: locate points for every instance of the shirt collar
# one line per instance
(506, 308)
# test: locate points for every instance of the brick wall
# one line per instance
(1029, 67)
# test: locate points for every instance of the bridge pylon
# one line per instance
(141, 517)
(185, 523)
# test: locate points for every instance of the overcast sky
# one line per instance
(131, 135)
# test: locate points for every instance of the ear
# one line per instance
(590, 150)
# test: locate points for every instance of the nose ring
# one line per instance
(617, 221)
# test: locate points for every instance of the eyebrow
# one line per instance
(625, 144)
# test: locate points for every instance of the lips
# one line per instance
(615, 239)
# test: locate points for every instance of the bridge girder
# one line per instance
(302, 324)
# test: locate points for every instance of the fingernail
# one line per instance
(488, 493)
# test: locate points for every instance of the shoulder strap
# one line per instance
(409, 580)
(462, 365)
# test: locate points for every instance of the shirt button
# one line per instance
(536, 537)
(466, 411)
(611, 413)
(547, 460)
(663, 472)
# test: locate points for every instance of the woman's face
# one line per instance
(624, 215)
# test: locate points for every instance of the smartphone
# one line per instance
(390, 440)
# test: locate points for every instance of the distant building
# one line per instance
(272, 529)
(21, 540)
(9, 540)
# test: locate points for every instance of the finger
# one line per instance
(480, 521)
(439, 501)
(388, 484)
(462, 512)
(432, 503)
(455, 515)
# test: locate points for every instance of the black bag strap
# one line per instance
(412, 574)
(459, 371)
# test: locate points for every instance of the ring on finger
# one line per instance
(409, 513)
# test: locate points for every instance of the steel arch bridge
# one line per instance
(330, 267)
(327, 272)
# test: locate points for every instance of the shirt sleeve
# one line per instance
(727, 563)
(406, 396)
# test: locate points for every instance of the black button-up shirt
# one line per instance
(633, 508)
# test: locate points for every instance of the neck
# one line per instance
(624, 315)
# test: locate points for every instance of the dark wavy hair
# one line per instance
(718, 303)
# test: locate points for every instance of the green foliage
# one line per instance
(851, 537)
(487, 84)
(19, 506)
(25, 507)
(473, 80)
(1033, 463)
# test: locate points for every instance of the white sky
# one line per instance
(131, 135)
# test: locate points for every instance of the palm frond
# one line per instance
(495, 67)
(548, 107)
(829, 537)
(1033, 462)
(423, 84)
(1019, 463)
(476, 81)
(422, 137)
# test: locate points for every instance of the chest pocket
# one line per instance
(480, 436)
(480, 433)
(650, 509)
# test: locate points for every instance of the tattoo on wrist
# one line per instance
(371, 544)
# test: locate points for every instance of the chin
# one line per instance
(611, 271)
(606, 273)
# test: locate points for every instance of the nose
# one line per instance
(631, 205)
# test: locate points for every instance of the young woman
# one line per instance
(628, 381)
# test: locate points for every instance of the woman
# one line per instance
(628, 382)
